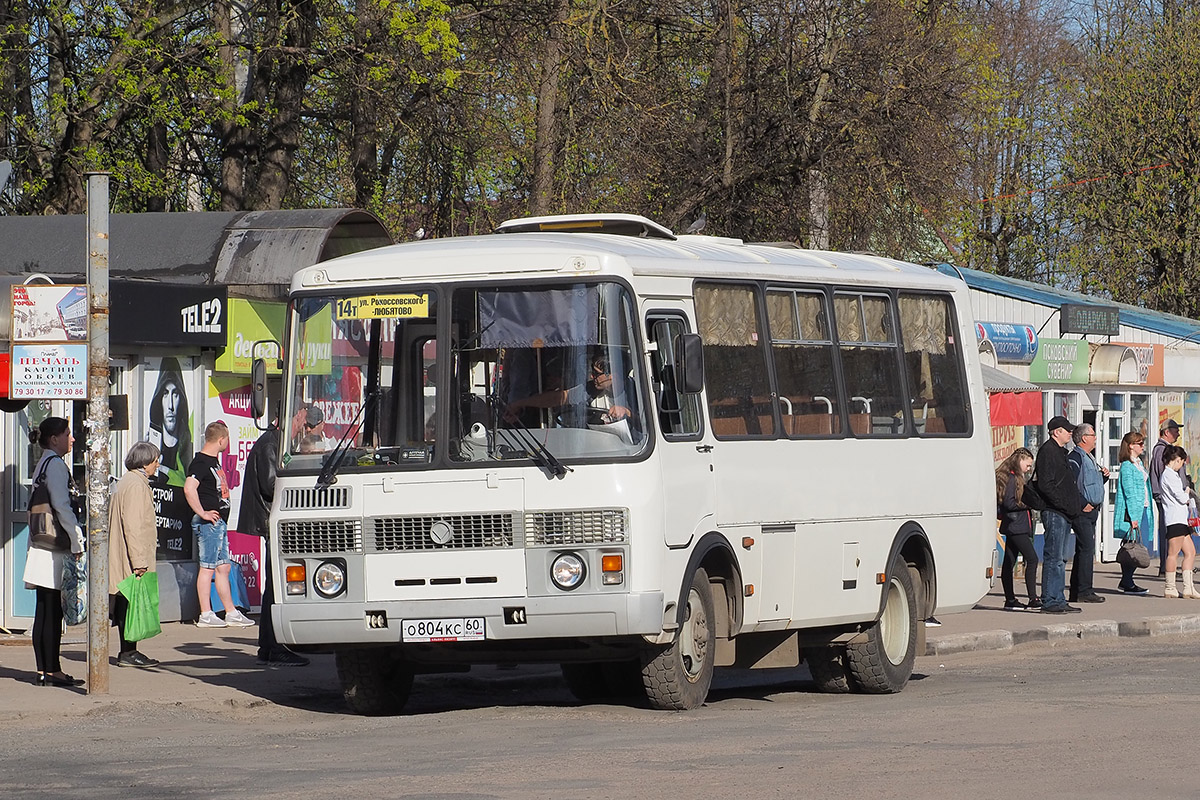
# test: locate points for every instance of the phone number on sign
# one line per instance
(469, 629)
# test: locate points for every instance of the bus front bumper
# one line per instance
(315, 623)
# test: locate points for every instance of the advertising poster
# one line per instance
(49, 313)
(169, 425)
(49, 371)
(228, 401)
(1189, 434)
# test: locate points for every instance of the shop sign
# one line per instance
(1013, 344)
(1150, 362)
(314, 343)
(49, 371)
(1089, 319)
(49, 313)
(1061, 361)
(167, 315)
(252, 321)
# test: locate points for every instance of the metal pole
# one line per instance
(97, 459)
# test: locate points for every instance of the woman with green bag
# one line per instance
(132, 544)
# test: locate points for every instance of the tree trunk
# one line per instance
(546, 138)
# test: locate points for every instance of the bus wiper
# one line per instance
(538, 452)
(333, 462)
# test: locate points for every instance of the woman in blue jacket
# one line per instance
(1133, 512)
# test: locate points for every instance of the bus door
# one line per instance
(685, 460)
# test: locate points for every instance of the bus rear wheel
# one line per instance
(373, 682)
(677, 677)
(828, 668)
(883, 662)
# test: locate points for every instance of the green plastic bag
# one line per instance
(141, 621)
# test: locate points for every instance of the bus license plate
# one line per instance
(469, 629)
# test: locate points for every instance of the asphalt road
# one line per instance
(1078, 720)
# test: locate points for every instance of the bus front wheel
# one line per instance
(677, 678)
(373, 682)
(883, 662)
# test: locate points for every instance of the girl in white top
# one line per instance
(1175, 500)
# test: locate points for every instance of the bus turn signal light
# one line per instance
(296, 575)
(612, 569)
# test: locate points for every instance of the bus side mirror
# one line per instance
(258, 388)
(689, 363)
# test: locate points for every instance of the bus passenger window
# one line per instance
(870, 365)
(802, 348)
(933, 363)
(735, 369)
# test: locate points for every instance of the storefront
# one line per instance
(190, 296)
(1117, 367)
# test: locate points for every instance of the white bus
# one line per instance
(584, 440)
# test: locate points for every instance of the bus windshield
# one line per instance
(530, 373)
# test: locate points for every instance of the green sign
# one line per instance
(251, 321)
(1061, 361)
(314, 343)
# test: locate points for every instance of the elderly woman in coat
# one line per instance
(133, 540)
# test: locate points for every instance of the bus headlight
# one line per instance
(329, 579)
(567, 571)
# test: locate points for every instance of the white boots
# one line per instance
(1189, 587)
(1170, 590)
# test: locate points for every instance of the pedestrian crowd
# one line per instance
(1066, 487)
(57, 543)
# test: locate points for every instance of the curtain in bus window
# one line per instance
(923, 321)
(862, 319)
(780, 315)
(546, 318)
(726, 315)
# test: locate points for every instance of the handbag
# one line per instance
(1133, 553)
(45, 531)
(238, 592)
(141, 619)
(74, 590)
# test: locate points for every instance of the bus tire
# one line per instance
(883, 662)
(828, 668)
(677, 677)
(373, 682)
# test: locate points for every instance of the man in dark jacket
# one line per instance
(1055, 482)
(254, 516)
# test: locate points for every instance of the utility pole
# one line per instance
(97, 458)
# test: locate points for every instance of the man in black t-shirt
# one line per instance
(208, 495)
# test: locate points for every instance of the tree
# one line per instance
(1134, 162)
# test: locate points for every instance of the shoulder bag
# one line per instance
(45, 531)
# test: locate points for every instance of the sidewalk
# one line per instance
(989, 627)
(206, 669)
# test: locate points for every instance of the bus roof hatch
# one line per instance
(619, 224)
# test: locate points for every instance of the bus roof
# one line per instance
(547, 254)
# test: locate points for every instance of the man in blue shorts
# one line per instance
(208, 495)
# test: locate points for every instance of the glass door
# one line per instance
(1112, 427)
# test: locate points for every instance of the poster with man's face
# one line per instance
(169, 425)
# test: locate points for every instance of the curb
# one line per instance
(1003, 640)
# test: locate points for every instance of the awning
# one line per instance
(997, 380)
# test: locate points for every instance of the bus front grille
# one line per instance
(448, 532)
(299, 498)
(575, 527)
(320, 536)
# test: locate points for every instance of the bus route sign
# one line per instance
(384, 306)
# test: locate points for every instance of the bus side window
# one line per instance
(740, 403)
(934, 366)
(802, 349)
(678, 413)
(870, 364)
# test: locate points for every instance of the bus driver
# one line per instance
(595, 394)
